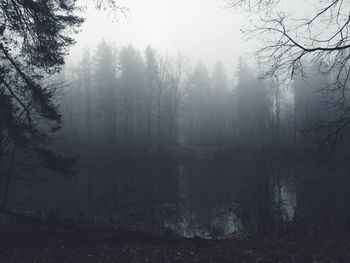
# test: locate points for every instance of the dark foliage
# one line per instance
(34, 38)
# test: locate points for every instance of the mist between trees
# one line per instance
(158, 146)
(142, 98)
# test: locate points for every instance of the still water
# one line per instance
(194, 199)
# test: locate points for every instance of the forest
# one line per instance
(116, 151)
(127, 98)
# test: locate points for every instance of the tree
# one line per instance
(198, 106)
(251, 105)
(161, 86)
(290, 42)
(180, 80)
(133, 91)
(105, 83)
(220, 105)
(85, 79)
(168, 80)
(151, 85)
(72, 109)
(34, 37)
(274, 94)
(311, 106)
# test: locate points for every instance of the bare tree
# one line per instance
(181, 79)
(289, 42)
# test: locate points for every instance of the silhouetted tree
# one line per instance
(220, 110)
(33, 42)
(151, 85)
(106, 87)
(85, 80)
(198, 106)
(251, 106)
(133, 91)
(275, 100)
(289, 43)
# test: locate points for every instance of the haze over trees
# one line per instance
(146, 99)
(142, 98)
(164, 145)
(317, 43)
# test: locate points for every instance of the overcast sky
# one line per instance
(199, 29)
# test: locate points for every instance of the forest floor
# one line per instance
(41, 244)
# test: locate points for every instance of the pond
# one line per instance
(204, 199)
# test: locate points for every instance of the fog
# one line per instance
(194, 28)
(127, 134)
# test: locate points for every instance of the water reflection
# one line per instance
(189, 199)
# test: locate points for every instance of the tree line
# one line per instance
(131, 98)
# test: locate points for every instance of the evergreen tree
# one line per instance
(220, 115)
(34, 40)
(106, 86)
(151, 86)
(133, 92)
(198, 106)
(251, 103)
(85, 80)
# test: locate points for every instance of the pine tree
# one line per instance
(106, 86)
(33, 42)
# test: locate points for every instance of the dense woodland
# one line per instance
(125, 97)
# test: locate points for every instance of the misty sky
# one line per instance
(199, 29)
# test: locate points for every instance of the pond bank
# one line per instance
(48, 245)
